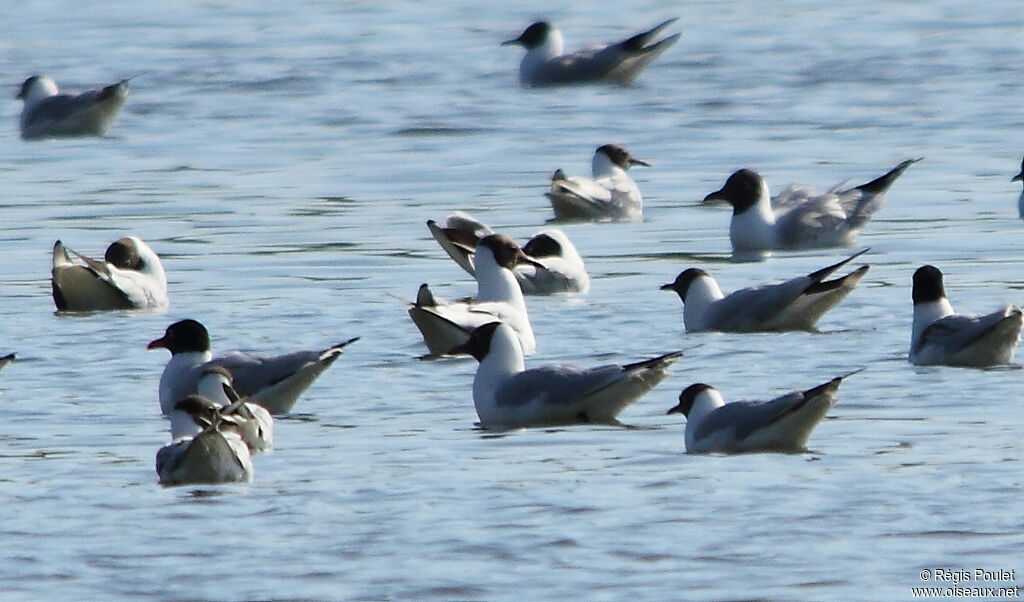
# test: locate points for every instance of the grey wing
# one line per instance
(57, 108)
(252, 373)
(587, 64)
(745, 418)
(556, 385)
(751, 308)
(956, 332)
(815, 221)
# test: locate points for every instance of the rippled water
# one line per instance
(283, 160)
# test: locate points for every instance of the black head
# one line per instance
(506, 252)
(26, 86)
(742, 190)
(687, 397)
(182, 337)
(683, 281)
(124, 253)
(543, 245)
(620, 156)
(202, 410)
(928, 284)
(532, 36)
(479, 343)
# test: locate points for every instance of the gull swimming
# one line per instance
(507, 395)
(255, 424)
(795, 304)
(444, 325)
(546, 64)
(782, 424)
(274, 382)
(800, 217)
(610, 195)
(1020, 200)
(205, 447)
(557, 267)
(941, 337)
(48, 113)
(129, 277)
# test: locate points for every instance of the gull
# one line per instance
(941, 337)
(445, 325)
(800, 217)
(560, 269)
(273, 382)
(255, 424)
(782, 424)
(129, 277)
(545, 63)
(47, 113)
(610, 195)
(205, 447)
(1020, 200)
(507, 395)
(795, 304)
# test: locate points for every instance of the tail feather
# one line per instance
(883, 182)
(819, 275)
(639, 41)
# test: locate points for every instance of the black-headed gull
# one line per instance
(255, 424)
(273, 382)
(796, 304)
(445, 325)
(782, 424)
(216, 454)
(129, 277)
(507, 395)
(47, 113)
(545, 63)
(941, 337)
(563, 270)
(1020, 200)
(610, 195)
(800, 217)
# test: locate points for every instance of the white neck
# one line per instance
(172, 381)
(707, 401)
(504, 359)
(926, 313)
(495, 283)
(211, 386)
(182, 425)
(702, 293)
(754, 229)
(43, 88)
(601, 166)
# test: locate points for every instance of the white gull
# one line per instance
(782, 424)
(800, 217)
(795, 304)
(939, 336)
(499, 297)
(609, 195)
(546, 64)
(48, 113)
(274, 382)
(129, 277)
(557, 266)
(507, 395)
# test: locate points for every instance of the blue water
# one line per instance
(283, 159)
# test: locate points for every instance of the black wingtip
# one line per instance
(883, 182)
(824, 272)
